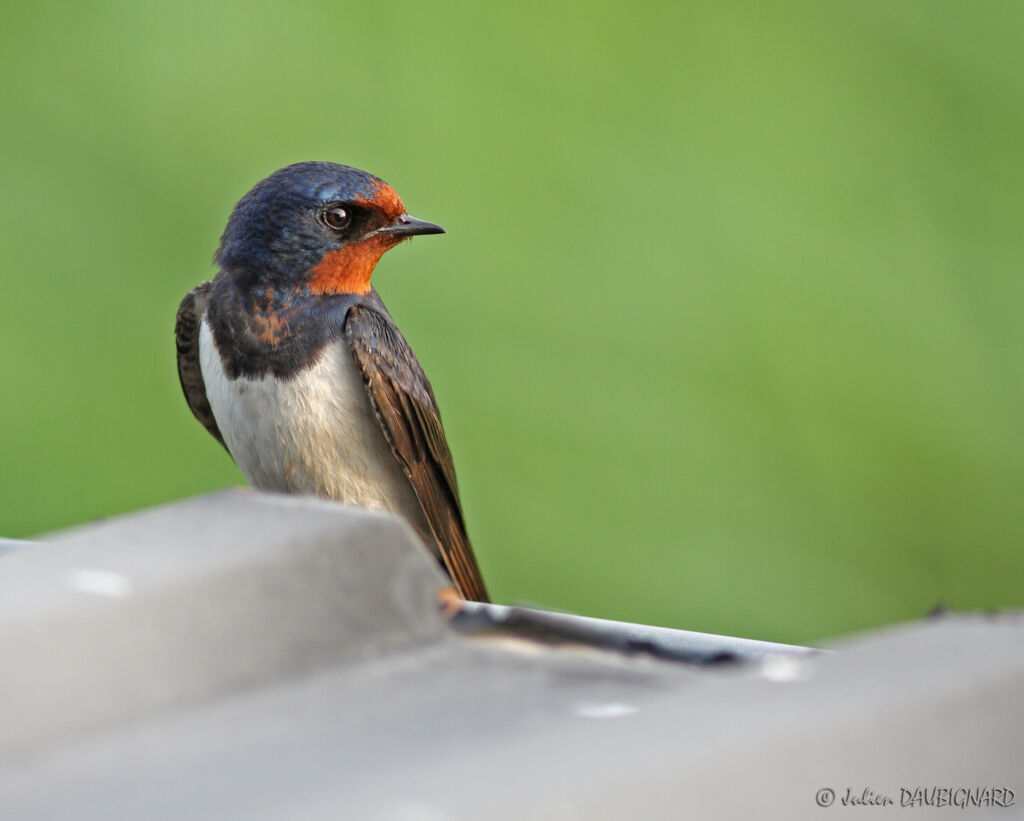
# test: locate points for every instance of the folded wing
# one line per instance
(186, 333)
(404, 404)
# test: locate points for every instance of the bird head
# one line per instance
(317, 225)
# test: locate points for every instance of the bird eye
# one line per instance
(336, 217)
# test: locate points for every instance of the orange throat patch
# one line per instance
(348, 270)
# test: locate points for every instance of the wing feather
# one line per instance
(404, 404)
(186, 333)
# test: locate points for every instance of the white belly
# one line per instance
(313, 433)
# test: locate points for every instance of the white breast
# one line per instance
(313, 433)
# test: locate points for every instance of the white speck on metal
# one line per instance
(609, 709)
(100, 583)
(785, 668)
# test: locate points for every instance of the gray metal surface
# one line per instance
(185, 601)
(366, 704)
(455, 731)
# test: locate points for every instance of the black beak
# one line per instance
(406, 226)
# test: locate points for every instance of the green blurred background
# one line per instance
(726, 329)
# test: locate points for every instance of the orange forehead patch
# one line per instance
(347, 270)
(384, 199)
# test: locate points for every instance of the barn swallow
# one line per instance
(290, 359)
